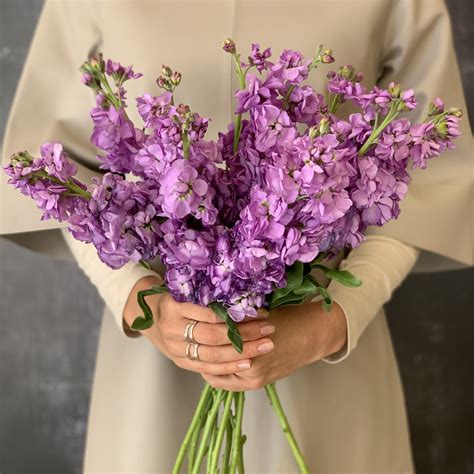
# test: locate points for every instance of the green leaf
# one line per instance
(234, 335)
(326, 297)
(319, 258)
(290, 298)
(219, 309)
(141, 323)
(306, 269)
(341, 276)
(145, 264)
(146, 321)
(232, 330)
(305, 288)
(327, 300)
(159, 289)
(294, 278)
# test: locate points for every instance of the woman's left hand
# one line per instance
(303, 334)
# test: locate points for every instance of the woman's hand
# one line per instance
(216, 356)
(304, 334)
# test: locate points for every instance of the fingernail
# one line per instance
(266, 347)
(243, 365)
(267, 329)
(262, 312)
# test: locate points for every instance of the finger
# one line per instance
(226, 368)
(216, 334)
(198, 313)
(230, 382)
(262, 313)
(227, 353)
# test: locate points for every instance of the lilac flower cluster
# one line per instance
(48, 180)
(287, 183)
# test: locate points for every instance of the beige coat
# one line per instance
(349, 416)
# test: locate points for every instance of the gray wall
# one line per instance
(50, 317)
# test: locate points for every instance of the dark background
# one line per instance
(50, 316)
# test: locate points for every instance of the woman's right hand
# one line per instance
(216, 355)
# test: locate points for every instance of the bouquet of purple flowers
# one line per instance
(239, 222)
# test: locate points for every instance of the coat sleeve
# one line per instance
(437, 214)
(382, 263)
(50, 104)
(114, 286)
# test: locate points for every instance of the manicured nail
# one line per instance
(243, 365)
(266, 347)
(267, 329)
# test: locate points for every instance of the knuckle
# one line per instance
(212, 336)
(207, 369)
(210, 316)
(166, 327)
(256, 383)
(212, 355)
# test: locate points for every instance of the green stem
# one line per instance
(220, 434)
(197, 433)
(238, 118)
(286, 99)
(192, 427)
(240, 461)
(186, 145)
(275, 402)
(212, 443)
(109, 92)
(334, 104)
(211, 418)
(73, 188)
(393, 112)
(228, 446)
(236, 459)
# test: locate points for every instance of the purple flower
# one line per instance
(56, 163)
(259, 59)
(120, 73)
(272, 125)
(227, 224)
(409, 99)
(183, 191)
(291, 67)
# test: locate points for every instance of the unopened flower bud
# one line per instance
(436, 107)
(327, 57)
(442, 129)
(313, 131)
(229, 46)
(21, 157)
(176, 78)
(161, 82)
(347, 71)
(394, 89)
(183, 109)
(324, 126)
(455, 111)
(97, 63)
(166, 71)
(87, 79)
